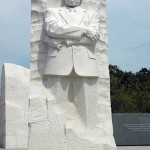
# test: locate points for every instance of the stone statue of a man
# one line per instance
(72, 33)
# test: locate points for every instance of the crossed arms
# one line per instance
(68, 34)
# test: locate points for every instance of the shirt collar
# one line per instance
(75, 9)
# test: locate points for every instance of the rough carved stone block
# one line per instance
(14, 107)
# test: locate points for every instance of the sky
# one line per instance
(129, 33)
(128, 23)
(15, 32)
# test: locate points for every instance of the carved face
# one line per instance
(72, 3)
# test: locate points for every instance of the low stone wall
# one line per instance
(131, 129)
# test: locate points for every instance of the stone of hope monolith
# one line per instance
(69, 106)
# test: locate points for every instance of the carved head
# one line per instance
(72, 3)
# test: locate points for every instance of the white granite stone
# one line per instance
(69, 113)
(14, 107)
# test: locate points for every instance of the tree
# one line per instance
(130, 92)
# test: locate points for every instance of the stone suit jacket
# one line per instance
(79, 51)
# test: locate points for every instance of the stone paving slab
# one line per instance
(118, 148)
(133, 148)
(12, 149)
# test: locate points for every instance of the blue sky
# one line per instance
(128, 29)
(129, 33)
(15, 32)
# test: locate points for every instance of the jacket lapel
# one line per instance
(79, 16)
(64, 14)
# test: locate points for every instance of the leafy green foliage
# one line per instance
(130, 92)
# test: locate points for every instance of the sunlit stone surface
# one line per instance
(70, 112)
(14, 107)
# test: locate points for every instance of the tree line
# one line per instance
(130, 92)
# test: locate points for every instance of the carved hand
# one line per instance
(55, 43)
(92, 34)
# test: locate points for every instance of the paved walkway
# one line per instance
(119, 148)
(133, 148)
(12, 149)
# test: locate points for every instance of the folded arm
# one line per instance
(57, 43)
(84, 41)
(71, 35)
(92, 30)
(54, 28)
(90, 33)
